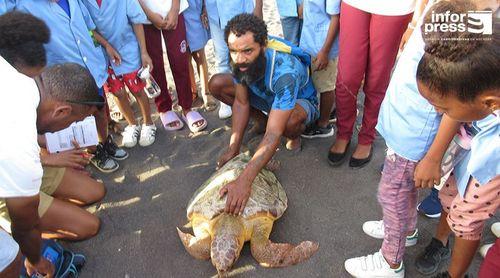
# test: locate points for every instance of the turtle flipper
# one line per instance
(270, 254)
(198, 247)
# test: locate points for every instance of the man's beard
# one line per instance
(254, 71)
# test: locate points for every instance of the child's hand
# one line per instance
(171, 20)
(427, 173)
(113, 55)
(157, 20)
(300, 11)
(146, 61)
(321, 61)
(76, 159)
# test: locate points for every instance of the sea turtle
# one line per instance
(220, 236)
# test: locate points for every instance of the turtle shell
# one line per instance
(267, 196)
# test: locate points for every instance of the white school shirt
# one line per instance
(20, 167)
(383, 7)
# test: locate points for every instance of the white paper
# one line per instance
(84, 133)
(162, 7)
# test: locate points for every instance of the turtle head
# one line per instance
(227, 242)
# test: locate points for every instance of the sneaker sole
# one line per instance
(106, 171)
(436, 215)
(329, 134)
(119, 158)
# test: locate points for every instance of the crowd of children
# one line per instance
(436, 106)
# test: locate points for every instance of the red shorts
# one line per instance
(117, 83)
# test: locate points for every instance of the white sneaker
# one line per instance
(130, 136)
(373, 266)
(148, 135)
(225, 111)
(484, 249)
(495, 229)
(375, 229)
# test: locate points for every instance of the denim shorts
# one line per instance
(311, 109)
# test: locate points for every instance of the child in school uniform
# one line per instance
(461, 79)
(120, 23)
(197, 35)
(219, 13)
(417, 137)
(319, 38)
(291, 14)
(172, 27)
(74, 39)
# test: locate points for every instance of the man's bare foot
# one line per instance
(293, 145)
(339, 146)
(362, 151)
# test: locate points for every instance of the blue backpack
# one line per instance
(67, 264)
(284, 46)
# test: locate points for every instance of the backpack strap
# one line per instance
(271, 73)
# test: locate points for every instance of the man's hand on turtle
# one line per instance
(225, 157)
(238, 193)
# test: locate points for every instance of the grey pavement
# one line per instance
(147, 199)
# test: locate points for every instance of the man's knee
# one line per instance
(296, 122)
(218, 83)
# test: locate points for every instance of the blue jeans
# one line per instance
(220, 46)
(292, 27)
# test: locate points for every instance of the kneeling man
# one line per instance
(263, 80)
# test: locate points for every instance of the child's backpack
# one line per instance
(66, 263)
(284, 46)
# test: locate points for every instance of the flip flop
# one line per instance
(191, 118)
(170, 117)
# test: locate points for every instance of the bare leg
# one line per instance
(461, 256)
(327, 99)
(64, 220)
(294, 127)
(124, 105)
(143, 101)
(194, 89)
(201, 63)
(101, 121)
(443, 230)
(79, 188)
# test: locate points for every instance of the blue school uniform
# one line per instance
(70, 39)
(315, 26)
(221, 11)
(288, 8)
(114, 20)
(483, 160)
(196, 34)
(407, 121)
(7, 6)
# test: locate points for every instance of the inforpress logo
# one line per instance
(475, 22)
(480, 22)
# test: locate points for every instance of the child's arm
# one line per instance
(321, 60)
(428, 170)
(112, 53)
(204, 15)
(139, 34)
(172, 16)
(417, 13)
(257, 11)
(155, 18)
